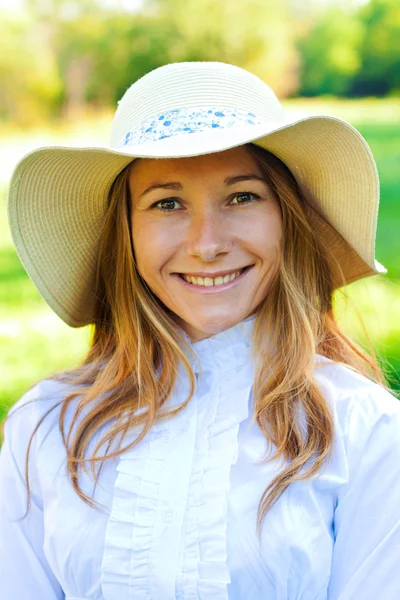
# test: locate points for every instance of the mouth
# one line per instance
(209, 284)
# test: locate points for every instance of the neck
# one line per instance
(194, 335)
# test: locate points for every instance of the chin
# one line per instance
(207, 327)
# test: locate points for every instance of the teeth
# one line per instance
(209, 281)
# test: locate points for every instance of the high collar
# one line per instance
(225, 350)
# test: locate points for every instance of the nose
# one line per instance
(208, 236)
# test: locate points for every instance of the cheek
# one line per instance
(152, 247)
(266, 234)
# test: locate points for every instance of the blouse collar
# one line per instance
(225, 350)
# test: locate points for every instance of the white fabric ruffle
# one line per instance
(141, 524)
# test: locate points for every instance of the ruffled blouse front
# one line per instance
(181, 507)
(170, 500)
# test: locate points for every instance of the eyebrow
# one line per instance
(169, 185)
(238, 178)
(177, 186)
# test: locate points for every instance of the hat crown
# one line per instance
(180, 87)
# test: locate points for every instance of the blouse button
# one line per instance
(168, 515)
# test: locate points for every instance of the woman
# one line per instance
(244, 450)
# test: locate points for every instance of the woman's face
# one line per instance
(197, 223)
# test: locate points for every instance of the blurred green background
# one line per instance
(65, 63)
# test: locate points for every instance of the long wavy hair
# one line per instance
(131, 366)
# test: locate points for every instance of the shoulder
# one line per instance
(362, 408)
(43, 395)
(343, 385)
(40, 404)
(32, 441)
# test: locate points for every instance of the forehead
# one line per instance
(218, 166)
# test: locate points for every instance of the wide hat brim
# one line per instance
(58, 197)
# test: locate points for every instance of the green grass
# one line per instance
(34, 342)
(384, 140)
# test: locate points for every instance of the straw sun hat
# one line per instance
(58, 195)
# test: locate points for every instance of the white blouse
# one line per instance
(179, 511)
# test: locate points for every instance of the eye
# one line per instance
(244, 198)
(166, 205)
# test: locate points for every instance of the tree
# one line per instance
(31, 82)
(330, 53)
(380, 49)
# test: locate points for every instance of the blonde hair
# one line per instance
(130, 369)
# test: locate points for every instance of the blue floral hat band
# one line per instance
(185, 121)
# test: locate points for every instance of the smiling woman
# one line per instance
(238, 432)
(207, 232)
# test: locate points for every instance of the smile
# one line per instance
(210, 284)
(212, 281)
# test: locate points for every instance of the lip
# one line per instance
(202, 289)
(212, 275)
